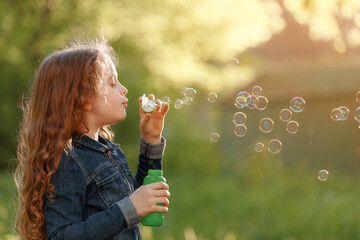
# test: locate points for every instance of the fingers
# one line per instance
(165, 108)
(162, 193)
(158, 185)
(158, 107)
(160, 209)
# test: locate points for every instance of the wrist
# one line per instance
(152, 140)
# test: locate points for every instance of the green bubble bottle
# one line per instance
(155, 219)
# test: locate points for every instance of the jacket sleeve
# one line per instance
(64, 218)
(150, 157)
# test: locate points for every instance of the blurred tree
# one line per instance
(162, 44)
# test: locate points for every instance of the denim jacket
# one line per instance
(93, 184)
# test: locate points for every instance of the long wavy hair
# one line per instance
(53, 113)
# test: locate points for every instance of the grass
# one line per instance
(288, 204)
(7, 205)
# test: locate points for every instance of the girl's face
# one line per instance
(108, 107)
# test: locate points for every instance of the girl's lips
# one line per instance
(125, 104)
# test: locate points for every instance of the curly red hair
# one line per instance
(52, 114)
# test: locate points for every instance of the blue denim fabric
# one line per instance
(93, 184)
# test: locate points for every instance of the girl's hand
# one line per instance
(146, 198)
(152, 124)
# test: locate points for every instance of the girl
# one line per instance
(73, 181)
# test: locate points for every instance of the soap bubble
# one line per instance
(179, 103)
(233, 62)
(285, 115)
(187, 100)
(274, 146)
(256, 90)
(212, 97)
(336, 114)
(166, 99)
(297, 104)
(240, 102)
(201, 77)
(344, 113)
(358, 96)
(243, 94)
(261, 103)
(190, 92)
(251, 102)
(323, 175)
(259, 147)
(183, 90)
(239, 118)
(240, 130)
(292, 127)
(148, 104)
(266, 125)
(214, 137)
(357, 114)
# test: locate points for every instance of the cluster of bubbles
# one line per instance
(255, 100)
(189, 94)
(342, 113)
(274, 146)
(266, 125)
(297, 105)
(252, 100)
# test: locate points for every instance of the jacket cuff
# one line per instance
(129, 211)
(152, 151)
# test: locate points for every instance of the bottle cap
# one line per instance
(155, 172)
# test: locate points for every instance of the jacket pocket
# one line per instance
(110, 186)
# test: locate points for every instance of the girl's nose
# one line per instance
(123, 90)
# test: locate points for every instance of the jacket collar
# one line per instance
(100, 145)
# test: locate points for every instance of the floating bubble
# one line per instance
(323, 175)
(357, 114)
(292, 127)
(183, 90)
(233, 62)
(297, 104)
(240, 130)
(239, 118)
(344, 113)
(285, 115)
(266, 125)
(256, 90)
(166, 99)
(148, 104)
(179, 103)
(358, 96)
(187, 100)
(336, 114)
(201, 77)
(214, 137)
(212, 97)
(274, 146)
(240, 102)
(259, 147)
(261, 103)
(190, 92)
(243, 94)
(251, 102)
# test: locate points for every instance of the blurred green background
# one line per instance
(223, 190)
